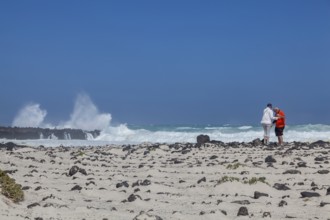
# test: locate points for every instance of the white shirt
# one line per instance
(268, 116)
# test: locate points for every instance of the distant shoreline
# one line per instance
(31, 133)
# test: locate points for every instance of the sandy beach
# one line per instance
(170, 181)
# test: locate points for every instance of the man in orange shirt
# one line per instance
(280, 124)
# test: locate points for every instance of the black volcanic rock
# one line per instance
(133, 197)
(37, 133)
(282, 203)
(143, 215)
(328, 191)
(118, 185)
(257, 194)
(292, 172)
(309, 194)
(33, 205)
(76, 187)
(323, 171)
(202, 139)
(280, 186)
(201, 180)
(302, 164)
(73, 170)
(10, 146)
(257, 142)
(270, 159)
(319, 143)
(242, 211)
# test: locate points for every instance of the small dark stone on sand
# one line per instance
(83, 171)
(133, 197)
(270, 159)
(201, 180)
(324, 203)
(243, 211)
(257, 195)
(242, 202)
(280, 186)
(33, 205)
(144, 216)
(309, 194)
(118, 185)
(282, 203)
(76, 187)
(328, 191)
(145, 183)
(323, 171)
(73, 170)
(213, 157)
(319, 159)
(302, 164)
(292, 172)
(266, 214)
(26, 187)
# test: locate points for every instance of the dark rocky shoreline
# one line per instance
(19, 133)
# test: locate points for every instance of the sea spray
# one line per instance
(86, 116)
(30, 115)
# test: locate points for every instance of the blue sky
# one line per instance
(151, 62)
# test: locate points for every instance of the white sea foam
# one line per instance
(245, 127)
(86, 116)
(30, 115)
(186, 128)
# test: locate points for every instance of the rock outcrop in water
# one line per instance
(46, 133)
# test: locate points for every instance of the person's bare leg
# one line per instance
(280, 140)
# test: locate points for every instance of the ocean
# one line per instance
(135, 134)
(86, 116)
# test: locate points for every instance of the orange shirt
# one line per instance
(280, 123)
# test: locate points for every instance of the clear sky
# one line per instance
(184, 62)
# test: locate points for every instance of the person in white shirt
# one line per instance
(267, 121)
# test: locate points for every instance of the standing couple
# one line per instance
(273, 116)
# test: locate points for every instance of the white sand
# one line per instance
(174, 192)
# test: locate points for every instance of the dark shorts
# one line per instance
(279, 131)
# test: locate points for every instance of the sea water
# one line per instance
(87, 116)
(136, 134)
